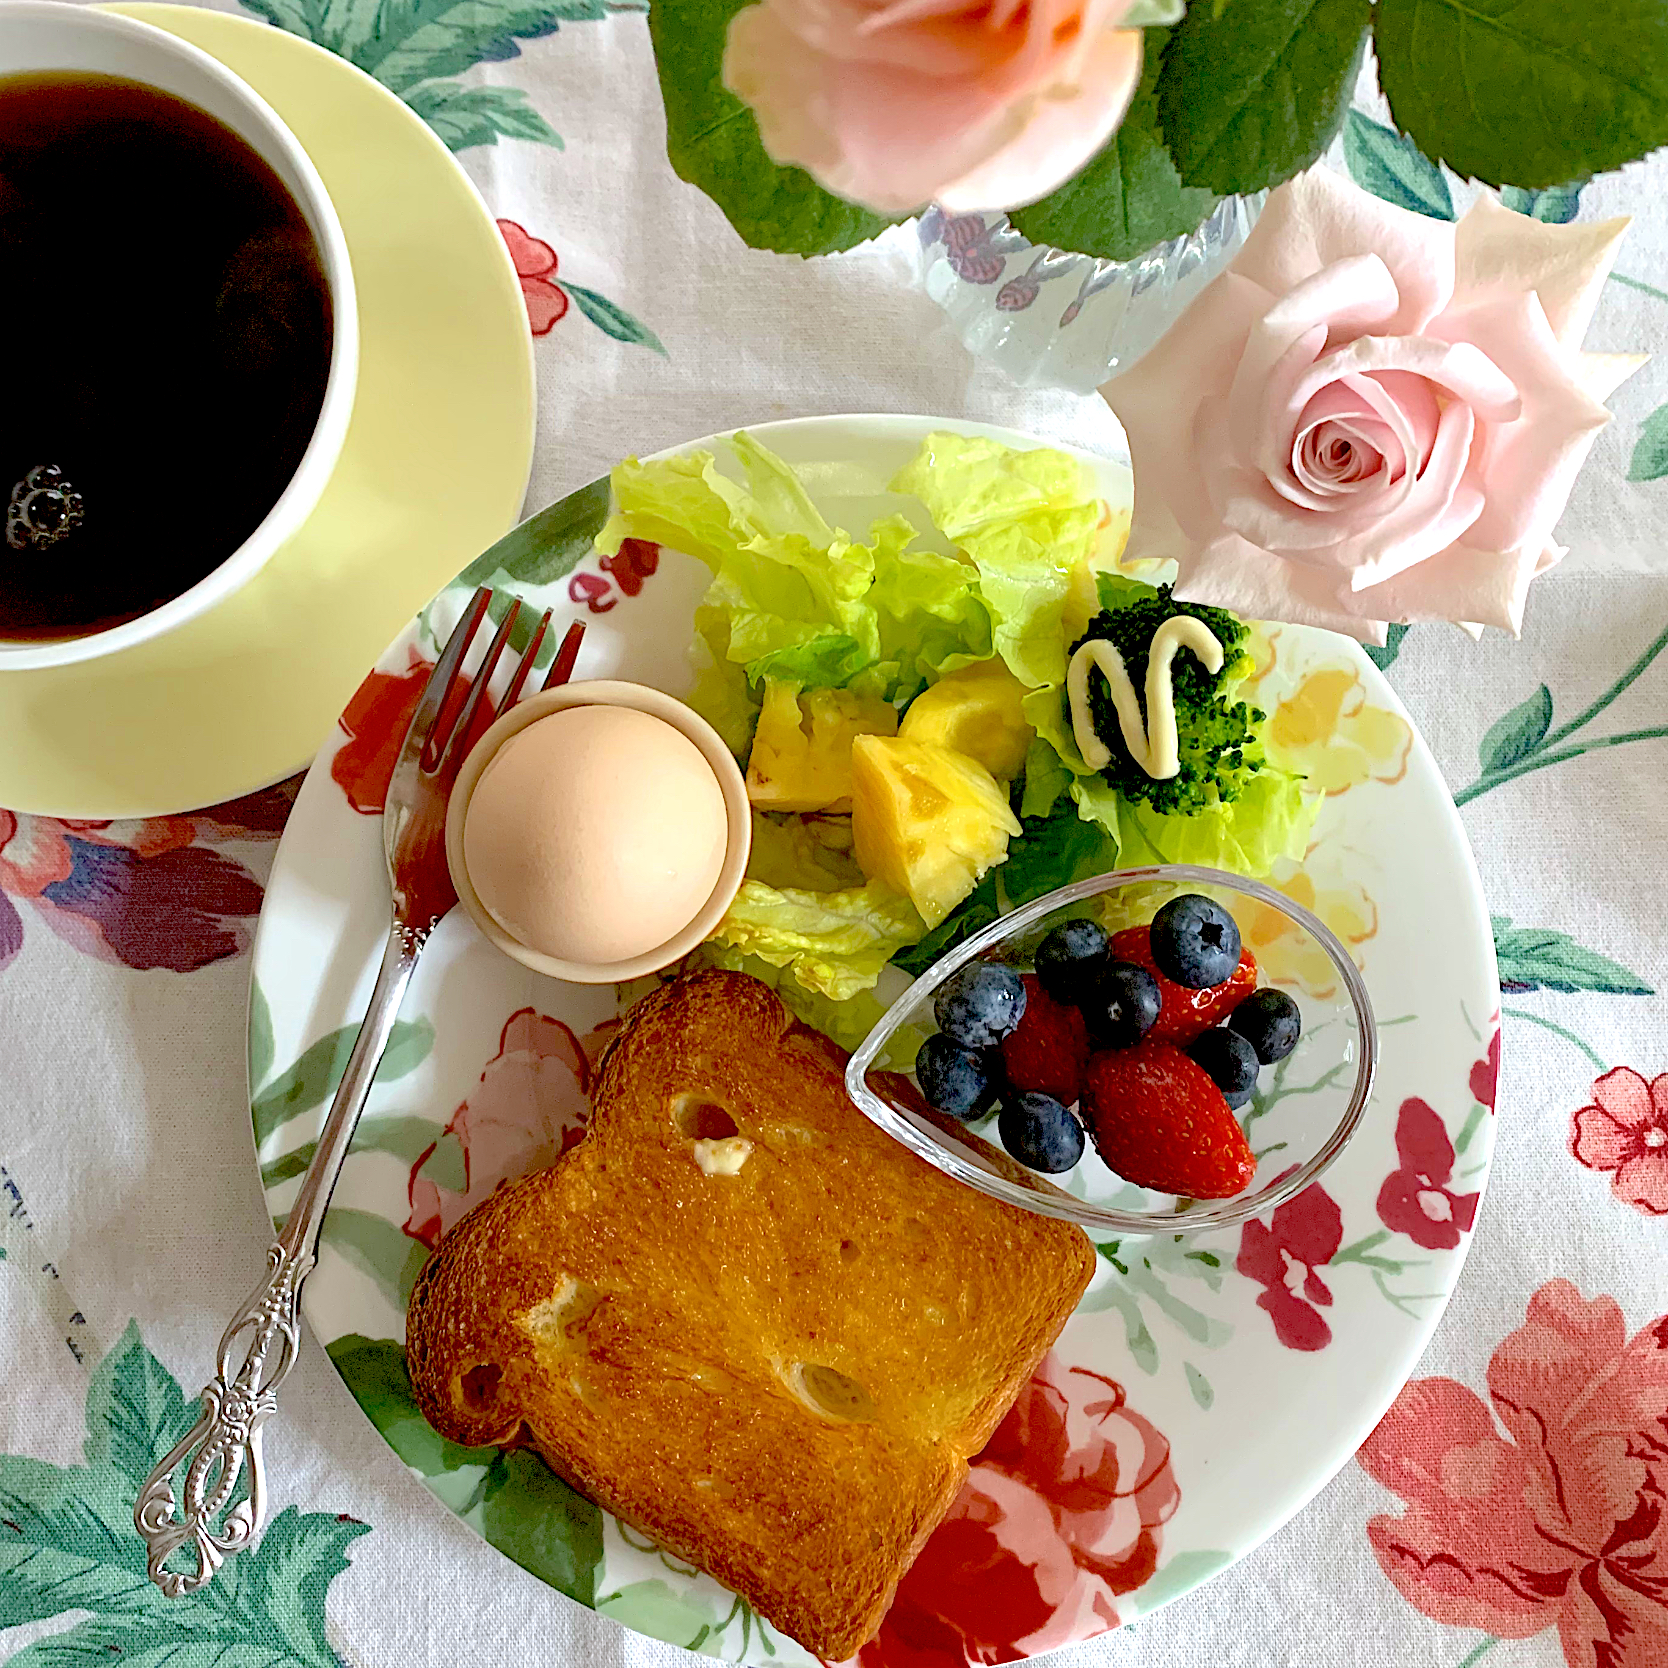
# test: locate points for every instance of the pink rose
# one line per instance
(975, 104)
(1372, 415)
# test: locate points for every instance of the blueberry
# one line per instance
(1040, 1133)
(1270, 1021)
(1122, 1005)
(980, 1005)
(1195, 942)
(1230, 1060)
(1243, 1098)
(1069, 958)
(955, 1080)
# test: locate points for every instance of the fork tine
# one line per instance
(425, 720)
(450, 749)
(561, 668)
(528, 656)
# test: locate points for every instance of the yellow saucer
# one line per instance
(433, 471)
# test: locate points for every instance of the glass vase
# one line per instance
(1051, 319)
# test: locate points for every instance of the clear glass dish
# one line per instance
(1304, 1112)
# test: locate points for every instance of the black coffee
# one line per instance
(167, 337)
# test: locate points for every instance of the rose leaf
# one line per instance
(712, 141)
(1130, 197)
(1249, 96)
(1526, 92)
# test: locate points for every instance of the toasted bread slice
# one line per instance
(779, 1370)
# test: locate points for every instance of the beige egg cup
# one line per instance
(737, 815)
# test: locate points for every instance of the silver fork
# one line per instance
(226, 1440)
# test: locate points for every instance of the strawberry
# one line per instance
(1158, 1121)
(1046, 1052)
(1186, 1014)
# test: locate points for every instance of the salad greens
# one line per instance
(799, 600)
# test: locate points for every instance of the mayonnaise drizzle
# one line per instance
(1155, 746)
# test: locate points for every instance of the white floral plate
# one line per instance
(1205, 1389)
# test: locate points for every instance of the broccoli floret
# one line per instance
(1220, 748)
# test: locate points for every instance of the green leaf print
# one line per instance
(612, 319)
(547, 546)
(372, 1243)
(374, 1370)
(261, 1047)
(412, 45)
(313, 1078)
(654, 1608)
(135, 1411)
(405, 1136)
(1391, 166)
(1383, 655)
(464, 116)
(67, 1544)
(1518, 733)
(1650, 451)
(532, 1516)
(1556, 205)
(1521, 742)
(1538, 958)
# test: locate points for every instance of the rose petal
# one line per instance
(1063, 128)
(1487, 587)
(1499, 254)
(1286, 340)
(1193, 354)
(1599, 375)
(1533, 458)
(1382, 532)
(1457, 367)
(1318, 218)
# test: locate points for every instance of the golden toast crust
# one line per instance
(778, 1373)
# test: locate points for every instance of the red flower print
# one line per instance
(1562, 1521)
(375, 722)
(1485, 1075)
(150, 893)
(535, 266)
(635, 561)
(632, 563)
(1413, 1200)
(1283, 1255)
(1061, 1515)
(530, 1105)
(1625, 1132)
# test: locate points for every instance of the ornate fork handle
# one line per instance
(261, 1345)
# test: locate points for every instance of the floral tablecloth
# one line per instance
(1512, 1506)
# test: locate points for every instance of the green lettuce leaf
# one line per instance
(834, 943)
(805, 853)
(802, 600)
(1024, 519)
(722, 694)
(847, 1022)
(1270, 820)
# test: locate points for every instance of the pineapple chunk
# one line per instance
(801, 758)
(975, 711)
(926, 820)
